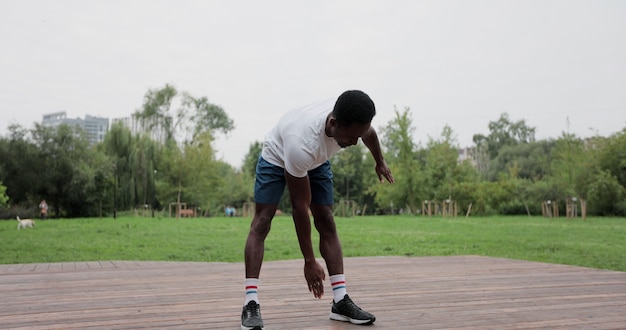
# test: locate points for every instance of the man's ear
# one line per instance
(332, 121)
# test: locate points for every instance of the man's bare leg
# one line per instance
(255, 244)
(343, 308)
(330, 246)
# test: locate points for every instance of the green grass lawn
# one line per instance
(597, 242)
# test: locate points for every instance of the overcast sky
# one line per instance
(558, 65)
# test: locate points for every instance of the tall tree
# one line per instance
(504, 132)
(65, 152)
(21, 167)
(440, 165)
(4, 199)
(234, 188)
(167, 117)
(155, 114)
(251, 159)
(571, 166)
(531, 159)
(348, 173)
(118, 144)
(205, 116)
(590, 169)
(192, 174)
(612, 155)
(402, 157)
(142, 162)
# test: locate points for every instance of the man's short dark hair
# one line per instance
(354, 107)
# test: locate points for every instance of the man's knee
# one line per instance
(324, 221)
(262, 221)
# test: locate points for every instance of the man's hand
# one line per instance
(315, 276)
(383, 172)
(370, 139)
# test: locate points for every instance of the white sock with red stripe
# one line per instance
(338, 282)
(252, 287)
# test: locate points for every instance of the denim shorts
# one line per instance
(270, 183)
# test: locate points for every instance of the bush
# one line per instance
(4, 199)
(606, 195)
(16, 210)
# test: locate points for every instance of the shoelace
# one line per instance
(350, 307)
(253, 310)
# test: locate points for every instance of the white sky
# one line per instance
(559, 65)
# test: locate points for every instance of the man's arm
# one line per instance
(370, 139)
(300, 193)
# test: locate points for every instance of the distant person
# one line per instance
(230, 211)
(295, 154)
(43, 209)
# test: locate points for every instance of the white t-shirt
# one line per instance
(298, 143)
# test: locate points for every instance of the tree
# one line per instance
(532, 160)
(606, 195)
(606, 190)
(155, 114)
(572, 165)
(402, 157)
(21, 166)
(503, 132)
(235, 189)
(441, 159)
(4, 199)
(206, 117)
(142, 161)
(443, 173)
(202, 176)
(348, 168)
(118, 145)
(191, 117)
(65, 153)
(612, 155)
(193, 175)
(172, 157)
(101, 183)
(251, 159)
(248, 170)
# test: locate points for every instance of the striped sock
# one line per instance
(252, 286)
(338, 282)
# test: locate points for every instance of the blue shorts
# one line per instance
(270, 183)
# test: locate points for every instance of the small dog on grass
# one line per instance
(25, 223)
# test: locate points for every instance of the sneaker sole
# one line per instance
(243, 327)
(339, 317)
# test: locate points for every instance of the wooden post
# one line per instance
(248, 209)
(583, 209)
(427, 208)
(449, 208)
(547, 209)
(456, 210)
(555, 209)
(571, 208)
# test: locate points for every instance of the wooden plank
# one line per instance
(467, 292)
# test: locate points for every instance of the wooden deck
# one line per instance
(467, 292)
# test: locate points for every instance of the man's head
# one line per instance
(351, 117)
(354, 107)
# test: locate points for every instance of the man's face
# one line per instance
(347, 136)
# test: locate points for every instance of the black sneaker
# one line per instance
(251, 317)
(346, 310)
